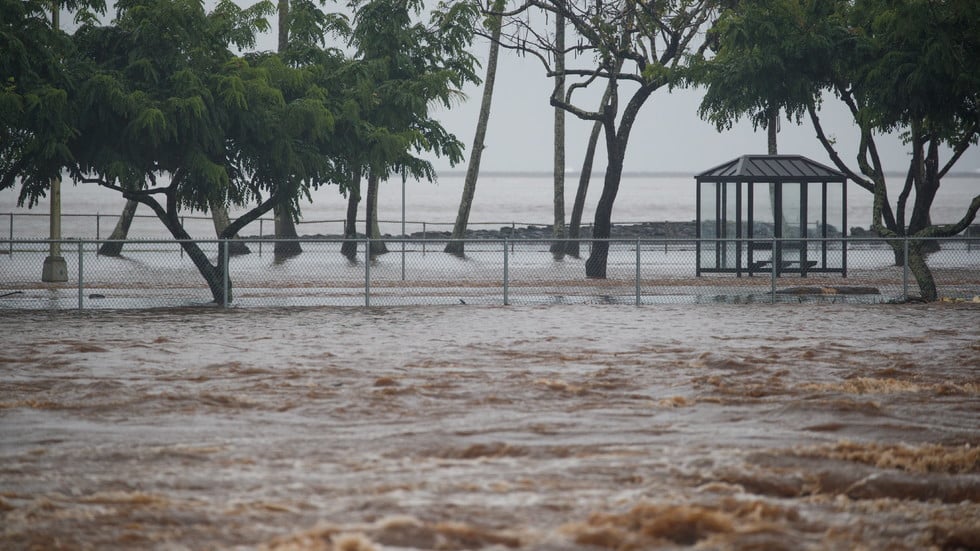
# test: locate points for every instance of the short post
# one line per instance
(367, 272)
(225, 278)
(81, 275)
(772, 274)
(98, 228)
(506, 274)
(905, 268)
(637, 271)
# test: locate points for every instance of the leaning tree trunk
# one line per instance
(920, 270)
(377, 246)
(616, 141)
(214, 275)
(219, 214)
(349, 247)
(595, 266)
(456, 244)
(114, 246)
(558, 231)
(575, 223)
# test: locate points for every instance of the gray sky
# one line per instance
(668, 135)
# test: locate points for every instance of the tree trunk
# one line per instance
(371, 229)
(772, 127)
(558, 232)
(219, 214)
(120, 232)
(616, 142)
(574, 225)
(282, 214)
(213, 275)
(283, 38)
(595, 266)
(286, 236)
(349, 247)
(920, 270)
(456, 245)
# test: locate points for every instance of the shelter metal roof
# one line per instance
(771, 168)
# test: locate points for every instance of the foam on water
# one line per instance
(540, 428)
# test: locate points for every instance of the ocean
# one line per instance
(501, 199)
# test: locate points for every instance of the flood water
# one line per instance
(460, 427)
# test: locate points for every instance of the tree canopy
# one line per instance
(907, 66)
(158, 106)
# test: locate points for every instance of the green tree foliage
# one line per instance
(159, 107)
(406, 66)
(908, 66)
(161, 110)
(36, 79)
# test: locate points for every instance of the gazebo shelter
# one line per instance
(771, 213)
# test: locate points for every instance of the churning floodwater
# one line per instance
(572, 427)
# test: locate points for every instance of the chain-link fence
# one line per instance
(151, 274)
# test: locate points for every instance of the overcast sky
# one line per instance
(668, 135)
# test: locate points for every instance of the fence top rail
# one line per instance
(509, 240)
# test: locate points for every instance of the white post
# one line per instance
(81, 275)
(226, 279)
(506, 274)
(637, 271)
(403, 229)
(367, 272)
(55, 269)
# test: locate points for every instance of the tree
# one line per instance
(897, 66)
(634, 46)
(162, 94)
(37, 78)
(456, 244)
(585, 176)
(286, 245)
(412, 65)
(558, 226)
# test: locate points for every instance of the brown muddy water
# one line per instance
(539, 428)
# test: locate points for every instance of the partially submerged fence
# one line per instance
(157, 273)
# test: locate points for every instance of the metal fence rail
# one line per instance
(156, 273)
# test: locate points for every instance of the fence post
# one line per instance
(261, 238)
(905, 268)
(506, 274)
(226, 279)
(637, 271)
(81, 275)
(367, 272)
(11, 252)
(424, 238)
(772, 273)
